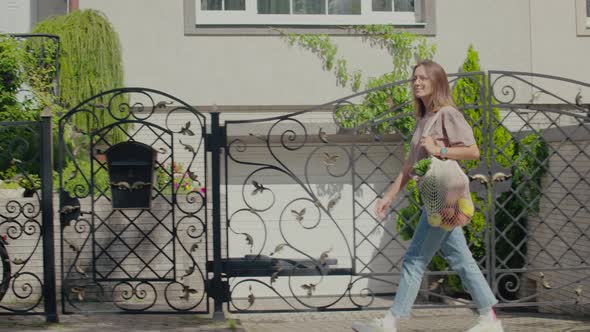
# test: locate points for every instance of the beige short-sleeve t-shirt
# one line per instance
(450, 129)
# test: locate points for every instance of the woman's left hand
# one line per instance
(428, 143)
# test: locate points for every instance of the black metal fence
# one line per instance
(28, 275)
(301, 234)
(27, 283)
(275, 214)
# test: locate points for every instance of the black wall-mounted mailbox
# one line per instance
(131, 174)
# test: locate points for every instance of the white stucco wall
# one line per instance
(555, 47)
(264, 70)
(15, 16)
(205, 70)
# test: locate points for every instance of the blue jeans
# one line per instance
(426, 242)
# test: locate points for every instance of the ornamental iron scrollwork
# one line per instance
(136, 259)
(531, 131)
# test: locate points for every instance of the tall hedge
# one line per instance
(90, 58)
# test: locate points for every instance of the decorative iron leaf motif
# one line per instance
(251, 300)
(122, 185)
(186, 131)
(500, 177)
(330, 159)
(309, 287)
(188, 271)
(436, 284)
(274, 277)
(260, 137)
(249, 240)
(18, 261)
(258, 187)
(298, 215)
(80, 270)
(162, 104)
(333, 202)
(188, 147)
(72, 246)
(544, 282)
(138, 185)
(187, 291)
(535, 95)
(578, 98)
(79, 291)
(73, 174)
(278, 248)
(69, 209)
(578, 292)
(195, 246)
(318, 204)
(194, 177)
(479, 177)
(323, 136)
(324, 257)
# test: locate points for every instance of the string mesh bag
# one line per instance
(444, 189)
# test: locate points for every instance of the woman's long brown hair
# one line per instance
(441, 91)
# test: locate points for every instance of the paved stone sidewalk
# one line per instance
(443, 320)
(114, 323)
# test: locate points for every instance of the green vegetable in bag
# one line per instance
(422, 166)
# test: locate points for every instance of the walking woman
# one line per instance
(451, 137)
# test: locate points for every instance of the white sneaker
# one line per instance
(385, 324)
(487, 326)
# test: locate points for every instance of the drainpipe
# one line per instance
(72, 5)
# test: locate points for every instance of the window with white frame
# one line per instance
(306, 12)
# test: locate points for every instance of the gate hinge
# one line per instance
(219, 290)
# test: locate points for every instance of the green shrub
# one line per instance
(29, 64)
(11, 68)
(89, 45)
(77, 179)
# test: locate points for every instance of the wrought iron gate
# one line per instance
(116, 254)
(301, 234)
(293, 227)
(27, 263)
(291, 200)
(540, 223)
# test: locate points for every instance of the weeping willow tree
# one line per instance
(90, 61)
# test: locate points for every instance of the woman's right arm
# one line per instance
(393, 190)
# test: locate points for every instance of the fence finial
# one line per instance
(47, 113)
